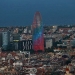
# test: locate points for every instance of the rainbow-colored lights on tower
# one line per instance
(37, 29)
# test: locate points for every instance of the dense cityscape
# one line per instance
(54, 55)
(55, 37)
(37, 37)
(17, 56)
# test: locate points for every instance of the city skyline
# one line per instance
(21, 12)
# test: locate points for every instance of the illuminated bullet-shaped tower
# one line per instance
(37, 30)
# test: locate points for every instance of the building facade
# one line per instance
(5, 40)
(48, 43)
(37, 30)
(0, 39)
(25, 45)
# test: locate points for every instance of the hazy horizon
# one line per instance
(21, 12)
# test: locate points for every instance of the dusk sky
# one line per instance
(21, 12)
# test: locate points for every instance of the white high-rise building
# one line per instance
(48, 43)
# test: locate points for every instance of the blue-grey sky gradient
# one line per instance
(21, 12)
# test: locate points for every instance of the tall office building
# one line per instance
(25, 45)
(0, 39)
(37, 30)
(5, 40)
(48, 43)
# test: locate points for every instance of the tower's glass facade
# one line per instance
(5, 40)
(37, 29)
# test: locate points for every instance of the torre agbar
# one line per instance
(37, 29)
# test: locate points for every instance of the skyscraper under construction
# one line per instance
(37, 29)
